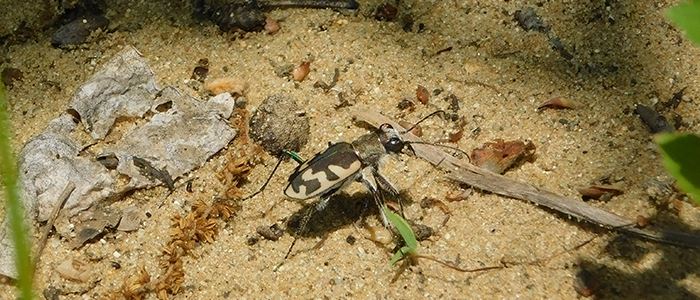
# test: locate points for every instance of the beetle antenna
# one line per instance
(443, 146)
(279, 161)
(423, 119)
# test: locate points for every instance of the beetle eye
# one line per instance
(394, 145)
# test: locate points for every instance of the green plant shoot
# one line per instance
(411, 247)
(681, 157)
(687, 17)
(15, 211)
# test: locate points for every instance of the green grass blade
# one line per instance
(14, 209)
(399, 255)
(681, 157)
(295, 156)
(687, 17)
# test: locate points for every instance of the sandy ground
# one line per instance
(624, 53)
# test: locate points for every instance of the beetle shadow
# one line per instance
(342, 210)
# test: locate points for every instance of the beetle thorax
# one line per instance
(369, 149)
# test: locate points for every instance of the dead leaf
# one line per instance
(131, 219)
(498, 156)
(73, 270)
(95, 222)
(599, 192)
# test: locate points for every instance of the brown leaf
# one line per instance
(417, 131)
(498, 156)
(599, 192)
(558, 103)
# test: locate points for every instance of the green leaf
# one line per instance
(406, 233)
(681, 156)
(399, 255)
(687, 17)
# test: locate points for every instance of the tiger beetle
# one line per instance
(342, 163)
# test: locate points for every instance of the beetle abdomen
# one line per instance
(326, 171)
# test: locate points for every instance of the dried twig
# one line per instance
(70, 187)
(469, 174)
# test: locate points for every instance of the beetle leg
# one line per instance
(385, 184)
(370, 182)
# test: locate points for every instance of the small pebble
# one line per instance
(350, 240)
(77, 31)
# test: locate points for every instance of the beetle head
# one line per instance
(390, 138)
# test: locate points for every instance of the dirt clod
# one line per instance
(275, 128)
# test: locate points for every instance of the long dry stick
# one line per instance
(498, 184)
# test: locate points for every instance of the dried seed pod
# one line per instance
(422, 94)
(300, 72)
(599, 192)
